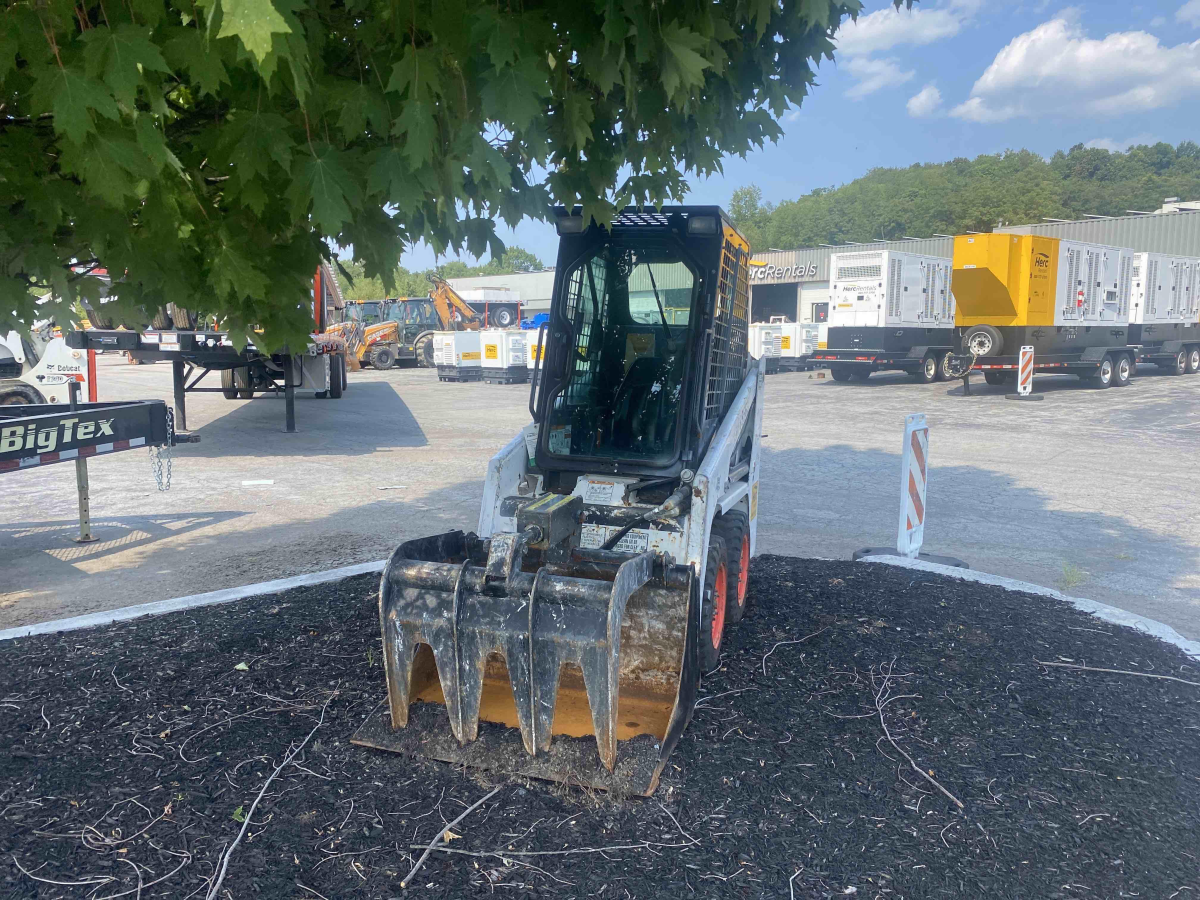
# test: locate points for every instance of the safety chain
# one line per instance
(160, 457)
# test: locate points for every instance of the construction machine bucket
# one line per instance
(583, 672)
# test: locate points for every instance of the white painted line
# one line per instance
(194, 601)
(258, 481)
(1099, 610)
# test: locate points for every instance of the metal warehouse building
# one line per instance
(795, 283)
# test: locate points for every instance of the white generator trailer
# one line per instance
(889, 310)
(457, 355)
(1164, 311)
(615, 532)
(503, 356)
(765, 341)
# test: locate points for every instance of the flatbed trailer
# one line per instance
(1178, 354)
(39, 434)
(929, 361)
(321, 368)
(1112, 366)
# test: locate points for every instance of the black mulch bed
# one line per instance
(134, 752)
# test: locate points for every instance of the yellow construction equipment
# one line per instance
(565, 637)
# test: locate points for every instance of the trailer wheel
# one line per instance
(994, 377)
(1123, 371)
(734, 529)
(228, 388)
(1193, 361)
(982, 340)
(1104, 375)
(860, 374)
(945, 368)
(245, 385)
(712, 617)
(1179, 367)
(504, 317)
(383, 358)
(337, 376)
(927, 373)
(840, 373)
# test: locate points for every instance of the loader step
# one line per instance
(499, 749)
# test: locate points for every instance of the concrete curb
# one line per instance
(1099, 610)
(193, 601)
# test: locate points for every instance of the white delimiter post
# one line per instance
(914, 472)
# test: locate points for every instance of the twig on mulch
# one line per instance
(433, 844)
(882, 698)
(784, 643)
(1116, 672)
(509, 854)
(212, 893)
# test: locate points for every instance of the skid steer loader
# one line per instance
(615, 531)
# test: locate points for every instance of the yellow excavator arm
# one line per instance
(447, 303)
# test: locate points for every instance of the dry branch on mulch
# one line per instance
(133, 757)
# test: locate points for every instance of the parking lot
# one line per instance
(1089, 491)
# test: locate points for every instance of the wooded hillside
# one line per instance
(1013, 187)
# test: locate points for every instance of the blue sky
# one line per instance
(958, 78)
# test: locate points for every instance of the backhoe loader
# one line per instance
(565, 637)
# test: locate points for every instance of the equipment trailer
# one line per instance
(244, 373)
(1164, 312)
(616, 530)
(889, 310)
(1066, 299)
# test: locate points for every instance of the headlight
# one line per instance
(702, 225)
(570, 225)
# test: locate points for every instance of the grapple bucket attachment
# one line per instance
(591, 661)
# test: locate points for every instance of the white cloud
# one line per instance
(875, 74)
(888, 27)
(1112, 146)
(1189, 13)
(1055, 69)
(925, 102)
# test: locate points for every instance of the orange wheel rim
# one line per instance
(718, 619)
(744, 572)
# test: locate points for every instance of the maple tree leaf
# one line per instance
(254, 22)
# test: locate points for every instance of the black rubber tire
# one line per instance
(928, 372)
(982, 340)
(161, 320)
(861, 373)
(734, 529)
(710, 653)
(1105, 374)
(943, 368)
(383, 358)
(228, 387)
(241, 378)
(1193, 361)
(504, 317)
(97, 319)
(18, 393)
(345, 369)
(840, 373)
(1122, 370)
(994, 377)
(1179, 367)
(183, 319)
(337, 376)
(424, 350)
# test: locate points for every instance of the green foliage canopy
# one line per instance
(972, 195)
(209, 152)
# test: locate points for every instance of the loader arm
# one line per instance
(447, 302)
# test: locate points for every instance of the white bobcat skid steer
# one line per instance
(615, 532)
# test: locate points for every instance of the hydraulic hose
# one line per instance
(671, 508)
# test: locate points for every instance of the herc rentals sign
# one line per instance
(773, 272)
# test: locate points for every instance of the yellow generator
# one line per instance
(1068, 300)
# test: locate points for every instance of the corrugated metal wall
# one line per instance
(1176, 232)
(786, 266)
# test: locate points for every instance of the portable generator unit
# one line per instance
(1069, 300)
(565, 637)
(503, 356)
(889, 311)
(1164, 311)
(457, 355)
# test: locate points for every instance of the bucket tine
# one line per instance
(398, 658)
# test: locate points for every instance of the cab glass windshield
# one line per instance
(628, 312)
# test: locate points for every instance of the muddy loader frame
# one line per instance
(565, 637)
